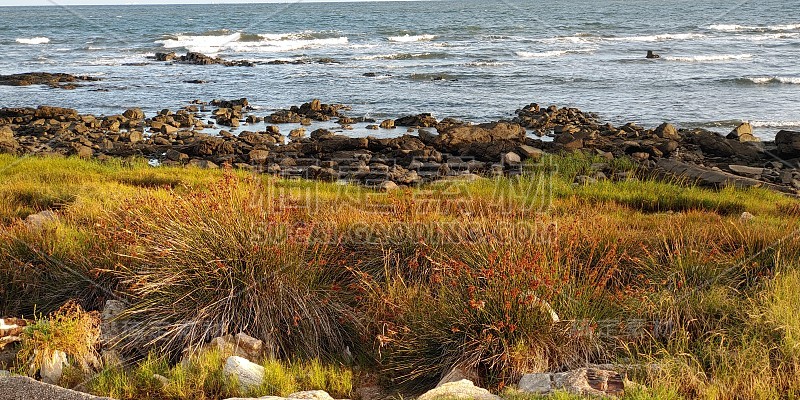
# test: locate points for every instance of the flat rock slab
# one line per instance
(24, 388)
(709, 177)
(463, 389)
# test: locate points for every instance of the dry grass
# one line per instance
(416, 281)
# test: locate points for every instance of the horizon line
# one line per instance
(206, 2)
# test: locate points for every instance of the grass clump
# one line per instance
(70, 330)
(221, 261)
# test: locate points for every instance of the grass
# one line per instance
(343, 283)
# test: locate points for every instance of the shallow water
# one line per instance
(719, 64)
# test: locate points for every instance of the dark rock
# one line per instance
(425, 120)
(458, 138)
(134, 113)
(717, 146)
(788, 143)
(651, 54)
(64, 81)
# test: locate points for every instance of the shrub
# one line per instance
(233, 259)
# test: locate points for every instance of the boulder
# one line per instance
(788, 143)
(743, 133)
(388, 124)
(425, 120)
(249, 375)
(456, 137)
(134, 114)
(110, 326)
(667, 131)
(7, 142)
(536, 383)
(511, 158)
(258, 156)
(463, 389)
(530, 152)
(715, 145)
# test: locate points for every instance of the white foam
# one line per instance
(268, 43)
(736, 28)
(763, 80)
(711, 58)
(774, 124)
(409, 38)
(34, 40)
(661, 37)
(551, 53)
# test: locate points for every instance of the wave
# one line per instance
(742, 28)
(215, 42)
(487, 63)
(765, 80)
(775, 124)
(711, 58)
(660, 38)
(34, 40)
(405, 56)
(551, 53)
(408, 38)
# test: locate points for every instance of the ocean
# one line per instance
(722, 62)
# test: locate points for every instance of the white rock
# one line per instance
(53, 368)
(746, 217)
(248, 374)
(535, 383)
(463, 389)
(4, 326)
(311, 395)
(36, 221)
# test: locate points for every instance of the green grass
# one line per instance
(415, 281)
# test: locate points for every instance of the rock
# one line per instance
(706, 176)
(536, 383)
(463, 389)
(134, 113)
(110, 327)
(310, 395)
(788, 143)
(590, 382)
(166, 56)
(583, 180)
(24, 388)
(425, 120)
(458, 135)
(4, 373)
(202, 164)
(64, 81)
(746, 217)
(7, 142)
(53, 368)
(457, 374)
(753, 172)
(81, 151)
(667, 131)
(743, 133)
(387, 186)
(248, 374)
(388, 124)
(176, 155)
(298, 133)
(651, 54)
(258, 156)
(511, 158)
(161, 379)
(715, 145)
(530, 152)
(36, 221)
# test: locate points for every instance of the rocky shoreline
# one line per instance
(431, 149)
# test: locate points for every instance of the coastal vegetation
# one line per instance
(692, 292)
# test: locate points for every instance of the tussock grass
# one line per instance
(413, 282)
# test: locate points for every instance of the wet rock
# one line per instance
(387, 124)
(201, 59)
(425, 120)
(64, 81)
